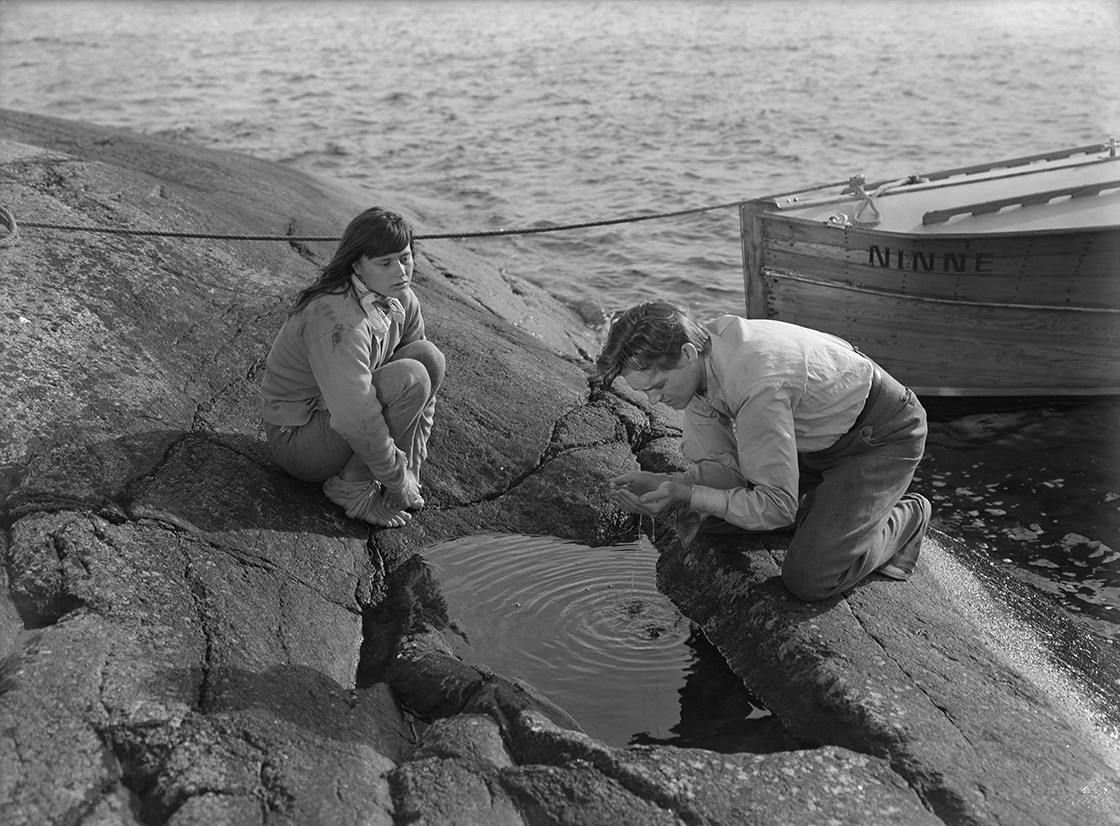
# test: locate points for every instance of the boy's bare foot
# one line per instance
(902, 564)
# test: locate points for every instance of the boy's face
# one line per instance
(674, 386)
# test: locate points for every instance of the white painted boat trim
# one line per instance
(922, 183)
(1081, 193)
(793, 203)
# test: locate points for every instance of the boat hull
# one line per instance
(1026, 314)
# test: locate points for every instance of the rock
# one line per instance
(906, 672)
(564, 776)
(431, 681)
(452, 791)
(189, 636)
(474, 737)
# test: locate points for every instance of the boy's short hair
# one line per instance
(650, 334)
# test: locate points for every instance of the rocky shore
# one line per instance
(182, 626)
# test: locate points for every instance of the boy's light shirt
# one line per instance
(774, 390)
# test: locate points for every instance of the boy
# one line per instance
(784, 425)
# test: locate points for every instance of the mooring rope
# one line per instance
(466, 234)
(857, 187)
(12, 229)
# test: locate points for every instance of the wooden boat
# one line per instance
(994, 280)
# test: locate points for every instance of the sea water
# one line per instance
(523, 114)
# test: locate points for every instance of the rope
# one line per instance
(856, 186)
(468, 234)
(9, 230)
(169, 234)
(10, 220)
(868, 201)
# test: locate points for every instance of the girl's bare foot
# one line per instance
(365, 500)
(379, 513)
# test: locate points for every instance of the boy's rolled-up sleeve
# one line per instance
(761, 446)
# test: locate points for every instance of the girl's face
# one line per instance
(386, 274)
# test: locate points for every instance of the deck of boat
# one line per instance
(1047, 195)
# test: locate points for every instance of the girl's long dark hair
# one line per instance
(373, 233)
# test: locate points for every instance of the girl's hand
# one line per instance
(406, 498)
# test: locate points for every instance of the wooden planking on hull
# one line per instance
(1057, 290)
(1075, 268)
(960, 348)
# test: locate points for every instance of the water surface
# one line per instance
(588, 628)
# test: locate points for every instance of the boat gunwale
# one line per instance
(928, 182)
(768, 215)
(948, 392)
(1108, 146)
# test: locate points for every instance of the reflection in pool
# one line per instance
(588, 628)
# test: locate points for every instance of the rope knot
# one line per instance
(9, 230)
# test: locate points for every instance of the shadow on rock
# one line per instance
(213, 482)
(414, 604)
(227, 482)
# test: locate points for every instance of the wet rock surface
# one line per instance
(190, 636)
(909, 673)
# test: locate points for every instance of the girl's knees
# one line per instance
(436, 366)
(427, 354)
(420, 381)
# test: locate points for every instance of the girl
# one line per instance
(350, 383)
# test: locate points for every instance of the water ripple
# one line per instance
(585, 626)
